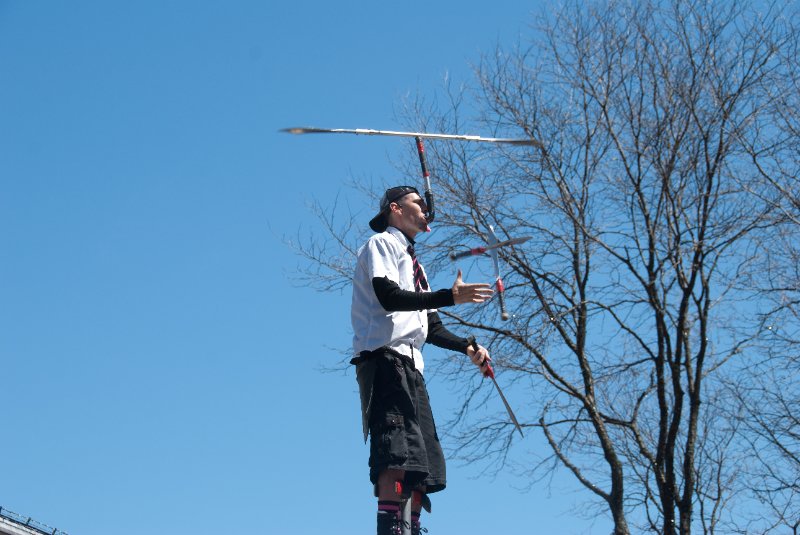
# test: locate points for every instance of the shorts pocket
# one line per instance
(389, 445)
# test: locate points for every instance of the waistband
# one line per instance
(364, 355)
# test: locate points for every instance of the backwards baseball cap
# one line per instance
(379, 223)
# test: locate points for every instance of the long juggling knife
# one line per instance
(490, 373)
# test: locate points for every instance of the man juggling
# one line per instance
(394, 313)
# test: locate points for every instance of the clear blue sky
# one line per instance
(159, 372)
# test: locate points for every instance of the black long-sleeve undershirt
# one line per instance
(439, 336)
(393, 298)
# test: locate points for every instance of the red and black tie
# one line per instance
(420, 282)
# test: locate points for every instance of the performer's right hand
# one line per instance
(470, 293)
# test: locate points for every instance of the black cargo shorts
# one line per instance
(401, 426)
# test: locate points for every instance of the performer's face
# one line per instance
(408, 214)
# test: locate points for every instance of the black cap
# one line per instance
(379, 223)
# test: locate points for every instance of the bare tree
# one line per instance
(769, 392)
(648, 212)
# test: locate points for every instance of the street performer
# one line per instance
(393, 315)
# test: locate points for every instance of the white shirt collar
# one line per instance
(397, 233)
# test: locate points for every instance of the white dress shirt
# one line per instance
(386, 255)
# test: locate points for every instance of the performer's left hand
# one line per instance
(480, 358)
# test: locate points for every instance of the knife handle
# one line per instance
(489, 372)
(501, 295)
